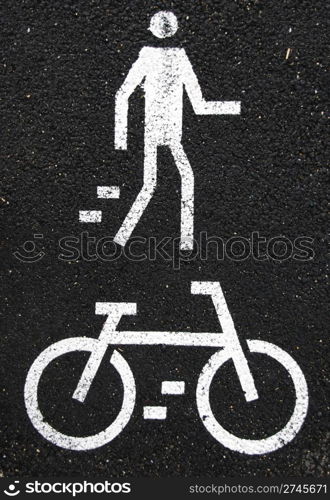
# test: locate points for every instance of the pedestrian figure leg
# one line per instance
(144, 196)
(187, 196)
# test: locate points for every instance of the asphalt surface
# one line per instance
(263, 171)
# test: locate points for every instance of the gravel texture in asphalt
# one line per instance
(263, 172)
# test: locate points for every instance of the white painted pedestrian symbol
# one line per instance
(165, 72)
(227, 347)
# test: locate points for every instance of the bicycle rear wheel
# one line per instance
(31, 396)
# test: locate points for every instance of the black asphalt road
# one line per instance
(263, 171)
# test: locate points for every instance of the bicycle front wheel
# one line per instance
(31, 396)
(253, 446)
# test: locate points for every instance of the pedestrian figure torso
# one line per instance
(163, 88)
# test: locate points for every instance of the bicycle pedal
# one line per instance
(154, 412)
(173, 387)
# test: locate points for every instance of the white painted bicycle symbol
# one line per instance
(228, 348)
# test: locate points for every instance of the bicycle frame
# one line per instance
(228, 339)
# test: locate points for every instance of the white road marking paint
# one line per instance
(253, 446)
(165, 71)
(173, 387)
(144, 196)
(154, 412)
(90, 216)
(188, 339)
(108, 192)
(114, 311)
(232, 350)
(31, 395)
(163, 24)
(214, 289)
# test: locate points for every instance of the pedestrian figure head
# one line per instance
(163, 24)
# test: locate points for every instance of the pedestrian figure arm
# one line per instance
(134, 78)
(200, 105)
